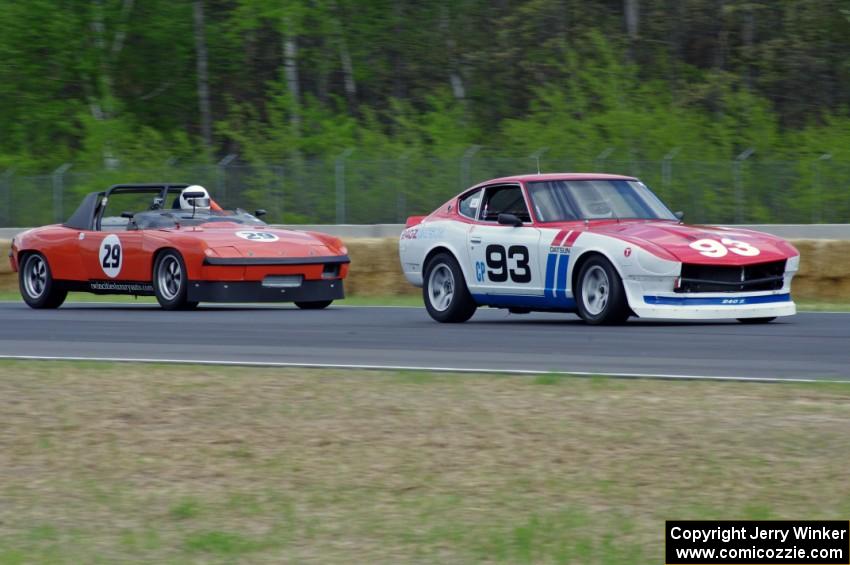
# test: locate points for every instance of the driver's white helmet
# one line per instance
(195, 202)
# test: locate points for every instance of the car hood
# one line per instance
(674, 241)
(237, 240)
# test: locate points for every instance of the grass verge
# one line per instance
(152, 463)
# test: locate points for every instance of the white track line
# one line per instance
(531, 372)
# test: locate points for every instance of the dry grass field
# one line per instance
(101, 463)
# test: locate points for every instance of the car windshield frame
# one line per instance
(184, 218)
(569, 200)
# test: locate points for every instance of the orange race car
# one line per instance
(172, 241)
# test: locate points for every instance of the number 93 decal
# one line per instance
(714, 248)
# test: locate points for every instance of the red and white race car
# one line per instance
(603, 246)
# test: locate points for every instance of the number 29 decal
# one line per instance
(110, 256)
(716, 249)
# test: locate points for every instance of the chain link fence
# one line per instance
(368, 191)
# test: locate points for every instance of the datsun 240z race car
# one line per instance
(174, 242)
(603, 246)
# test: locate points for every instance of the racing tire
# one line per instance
(36, 283)
(757, 320)
(445, 293)
(171, 282)
(317, 305)
(600, 296)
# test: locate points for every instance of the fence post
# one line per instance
(339, 177)
(401, 194)
(280, 171)
(465, 162)
(221, 195)
(739, 188)
(58, 191)
(817, 205)
(537, 155)
(600, 159)
(6, 198)
(667, 166)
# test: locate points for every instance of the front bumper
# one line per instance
(254, 291)
(715, 306)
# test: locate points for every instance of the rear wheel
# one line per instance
(317, 305)
(600, 296)
(36, 283)
(446, 296)
(170, 282)
(756, 320)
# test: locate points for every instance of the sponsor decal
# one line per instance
(113, 286)
(261, 236)
(627, 252)
(430, 233)
(110, 256)
(716, 301)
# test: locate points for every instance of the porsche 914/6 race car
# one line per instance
(172, 241)
(602, 246)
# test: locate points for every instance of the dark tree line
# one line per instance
(108, 83)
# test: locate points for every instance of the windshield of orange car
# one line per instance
(569, 200)
(160, 219)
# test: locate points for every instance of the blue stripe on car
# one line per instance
(715, 301)
(561, 287)
(550, 274)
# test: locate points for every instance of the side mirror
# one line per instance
(128, 215)
(509, 220)
(260, 213)
(679, 215)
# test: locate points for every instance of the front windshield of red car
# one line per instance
(570, 200)
(160, 219)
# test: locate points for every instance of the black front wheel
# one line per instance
(600, 296)
(38, 288)
(317, 305)
(171, 283)
(446, 295)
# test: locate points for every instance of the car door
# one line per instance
(505, 258)
(112, 252)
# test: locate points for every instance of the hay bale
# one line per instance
(5, 266)
(8, 279)
(375, 268)
(824, 258)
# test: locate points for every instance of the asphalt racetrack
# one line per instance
(805, 346)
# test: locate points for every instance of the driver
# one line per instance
(195, 203)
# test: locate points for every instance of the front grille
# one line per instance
(710, 278)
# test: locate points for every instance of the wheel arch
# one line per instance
(159, 251)
(436, 250)
(585, 256)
